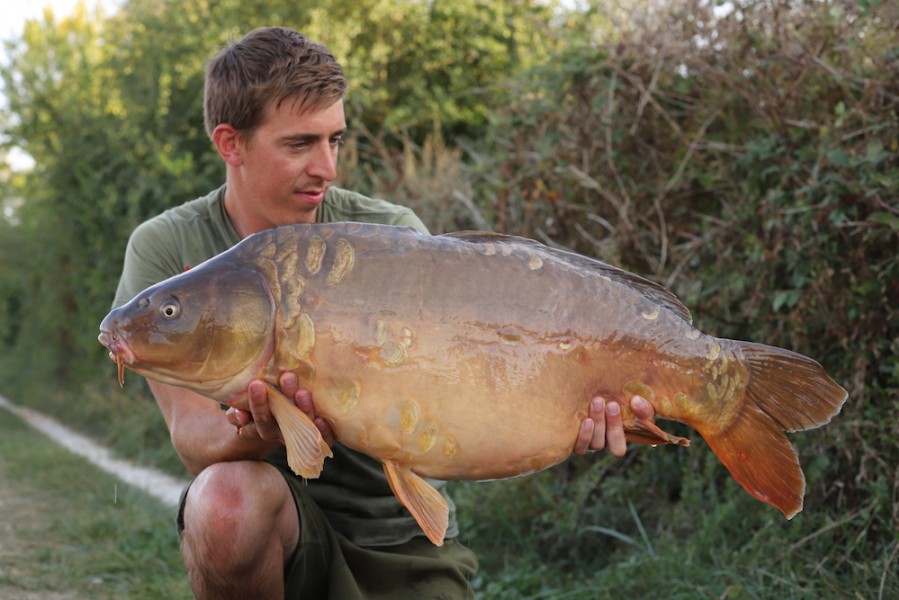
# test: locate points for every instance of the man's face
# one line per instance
(285, 167)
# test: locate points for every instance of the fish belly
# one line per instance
(479, 415)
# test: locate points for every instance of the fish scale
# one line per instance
(466, 356)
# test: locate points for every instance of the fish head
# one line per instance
(210, 329)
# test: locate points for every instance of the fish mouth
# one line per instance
(119, 352)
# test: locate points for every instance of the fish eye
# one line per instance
(170, 309)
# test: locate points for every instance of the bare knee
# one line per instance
(240, 524)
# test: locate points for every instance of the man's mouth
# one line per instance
(312, 196)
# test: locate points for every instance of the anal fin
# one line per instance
(643, 431)
(425, 503)
(306, 449)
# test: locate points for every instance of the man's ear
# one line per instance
(227, 141)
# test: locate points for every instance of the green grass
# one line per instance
(68, 528)
(592, 529)
(126, 420)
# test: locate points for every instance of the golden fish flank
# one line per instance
(315, 254)
(288, 266)
(288, 249)
(393, 353)
(651, 314)
(343, 262)
(382, 330)
(450, 448)
(486, 380)
(638, 388)
(410, 415)
(268, 250)
(270, 271)
(427, 437)
(291, 297)
(510, 335)
(306, 342)
(348, 398)
(488, 250)
(534, 262)
(393, 347)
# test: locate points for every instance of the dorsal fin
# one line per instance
(650, 289)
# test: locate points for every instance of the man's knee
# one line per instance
(234, 505)
(239, 524)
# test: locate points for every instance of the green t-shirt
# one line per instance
(352, 490)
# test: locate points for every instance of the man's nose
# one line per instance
(324, 162)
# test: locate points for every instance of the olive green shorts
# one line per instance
(327, 565)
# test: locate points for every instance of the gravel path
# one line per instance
(156, 483)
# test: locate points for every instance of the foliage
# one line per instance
(749, 163)
(744, 155)
(416, 63)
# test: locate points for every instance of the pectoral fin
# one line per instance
(425, 503)
(306, 449)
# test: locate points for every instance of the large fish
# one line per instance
(464, 356)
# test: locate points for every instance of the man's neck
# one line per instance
(244, 221)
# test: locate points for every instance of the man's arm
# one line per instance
(204, 434)
(201, 432)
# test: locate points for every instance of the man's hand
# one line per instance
(603, 427)
(259, 420)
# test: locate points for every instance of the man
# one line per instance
(250, 528)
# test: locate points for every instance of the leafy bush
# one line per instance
(749, 163)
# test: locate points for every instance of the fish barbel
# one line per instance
(464, 356)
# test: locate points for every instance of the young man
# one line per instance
(249, 527)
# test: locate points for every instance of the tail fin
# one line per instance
(786, 392)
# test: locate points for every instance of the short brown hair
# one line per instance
(268, 64)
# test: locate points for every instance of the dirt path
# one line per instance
(159, 485)
(70, 530)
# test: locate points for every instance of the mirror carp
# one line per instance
(464, 356)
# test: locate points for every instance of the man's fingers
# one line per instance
(257, 394)
(604, 425)
(303, 400)
(642, 408)
(238, 418)
(584, 437)
(266, 426)
(617, 444)
(325, 429)
(288, 383)
(598, 414)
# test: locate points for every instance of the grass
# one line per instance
(560, 534)
(71, 531)
(126, 420)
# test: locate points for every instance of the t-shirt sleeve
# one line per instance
(150, 257)
(406, 217)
